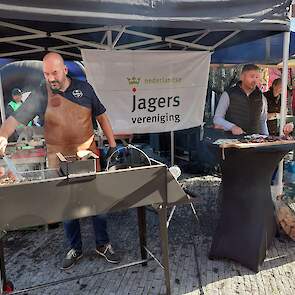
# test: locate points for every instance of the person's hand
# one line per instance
(110, 152)
(9, 174)
(2, 171)
(236, 130)
(216, 126)
(3, 144)
(288, 128)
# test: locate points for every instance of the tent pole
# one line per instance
(283, 103)
(212, 103)
(2, 107)
(172, 147)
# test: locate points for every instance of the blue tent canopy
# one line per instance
(28, 29)
(262, 51)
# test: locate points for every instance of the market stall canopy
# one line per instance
(28, 28)
(268, 51)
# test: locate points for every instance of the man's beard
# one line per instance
(252, 86)
(55, 89)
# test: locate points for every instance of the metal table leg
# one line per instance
(2, 265)
(5, 285)
(162, 210)
(142, 233)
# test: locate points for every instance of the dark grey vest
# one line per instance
(245, 111)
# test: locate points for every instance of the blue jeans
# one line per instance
(73, 234)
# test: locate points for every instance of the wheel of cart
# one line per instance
(130, 156)
(126, 157)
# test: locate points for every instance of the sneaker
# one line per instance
(71, 258)
(108, 253)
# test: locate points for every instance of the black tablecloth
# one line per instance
(247, 223)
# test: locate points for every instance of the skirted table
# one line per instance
(247, 222)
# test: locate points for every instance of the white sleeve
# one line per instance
(220, 112)
(263, 117)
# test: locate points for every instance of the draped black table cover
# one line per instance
(247, 223)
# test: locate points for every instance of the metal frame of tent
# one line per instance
(109, 40)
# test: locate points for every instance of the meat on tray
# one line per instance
(264, 139)
(255, 138)
(6, 179)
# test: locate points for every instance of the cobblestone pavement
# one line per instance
(34, 256)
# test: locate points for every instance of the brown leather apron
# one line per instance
(67, 128)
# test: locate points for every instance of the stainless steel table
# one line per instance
(47, 197)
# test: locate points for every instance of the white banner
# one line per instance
(149, 91)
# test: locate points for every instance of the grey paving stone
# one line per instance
(34, 256)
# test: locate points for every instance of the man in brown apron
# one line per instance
(67, 107)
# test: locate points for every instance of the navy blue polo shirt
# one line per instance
(80, 92)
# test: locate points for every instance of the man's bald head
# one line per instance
(53, 57)
(55, 71)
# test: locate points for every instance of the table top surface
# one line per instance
(243, 145)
